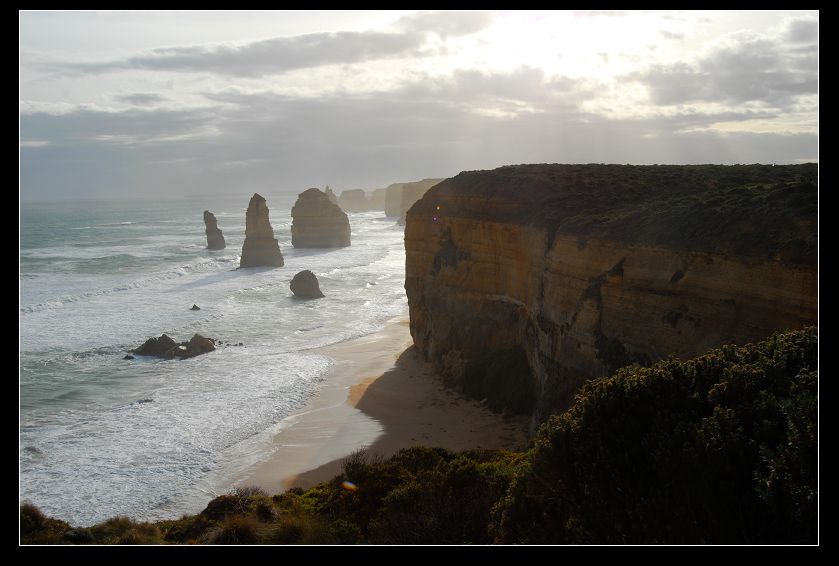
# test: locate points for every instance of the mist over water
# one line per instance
(101, 436)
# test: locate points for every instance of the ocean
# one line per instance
(152, 439)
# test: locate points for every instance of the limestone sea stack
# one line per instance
(377, 199)
(354, 200)
(260, 247)
(525, 281)
(215, 239)
(318, 223)
(305, 285)
(331, 195)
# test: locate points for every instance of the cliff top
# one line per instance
(748, 210)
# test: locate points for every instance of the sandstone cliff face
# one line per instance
(354, 200)
(215, 239)
(318, 223)
(260, 247)
(524, 281)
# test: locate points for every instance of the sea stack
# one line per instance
(260, 247)
(215, 239)
(331, 195)
(305, 285)
(353, 201)
(317, 222)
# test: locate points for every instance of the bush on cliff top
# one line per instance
(719, 449)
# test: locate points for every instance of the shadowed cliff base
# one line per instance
(584, 269)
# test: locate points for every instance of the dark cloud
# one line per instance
(743, 68)
(803, 31)
(260, 58)
(282, 54)
(254, 142)
(141, 98)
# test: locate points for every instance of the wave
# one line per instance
(195, 267)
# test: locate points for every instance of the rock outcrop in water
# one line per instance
(318, 223)
(215, 239)
(305, 285)
(165, 347)
(260, 247)
(354, 200)
(525, 281)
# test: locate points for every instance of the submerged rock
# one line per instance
(305, 285)
(195, 308)
(128, 357)
(215, 239)
(318, 223)
(260, 247)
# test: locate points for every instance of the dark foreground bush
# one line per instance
(719, 449)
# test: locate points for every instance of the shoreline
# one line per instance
(380, 395)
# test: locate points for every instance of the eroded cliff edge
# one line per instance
(525, 281)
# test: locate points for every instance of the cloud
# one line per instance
(803, 31)
(741, 67)
(260, 58)
(446, 24)
(141, 98)
(671, 34)
(264, 141)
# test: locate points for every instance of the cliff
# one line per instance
(317, 222)
(260, 247)
(411, 193)
(399, 197)
(354, 200)
(525, 281)
(215, 239)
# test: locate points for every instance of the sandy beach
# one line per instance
(380, 394)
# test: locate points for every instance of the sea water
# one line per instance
(101, 436)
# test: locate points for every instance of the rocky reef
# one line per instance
(260, 247)
(305, 285)
(525, 281)
(215, 239)
(317, 222)
(354, 200)
(166, 348)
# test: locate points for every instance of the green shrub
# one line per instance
(719, 449)
(236, 529)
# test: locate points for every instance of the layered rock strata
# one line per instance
(215, 239)
(260, 247)
(318, 223)
(525, 281)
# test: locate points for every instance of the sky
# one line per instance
(170, 104)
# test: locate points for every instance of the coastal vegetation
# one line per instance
(718, 449)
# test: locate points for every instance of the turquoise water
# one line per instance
(102, 436)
